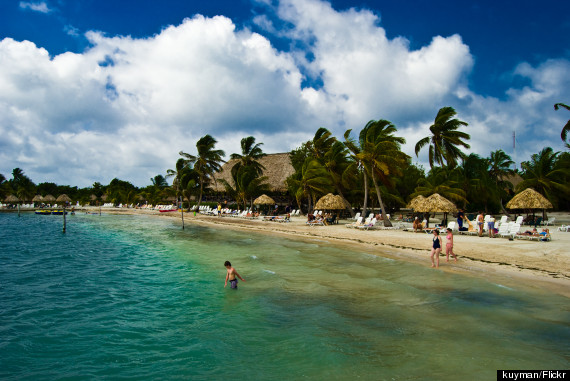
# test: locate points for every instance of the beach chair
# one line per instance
(504, 230)
(519, 220)
(354, 224)
(369, 225)
(357, 215)
(550, 221)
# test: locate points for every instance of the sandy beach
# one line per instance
(535, 263)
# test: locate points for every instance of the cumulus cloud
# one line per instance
(41, 7)
(125, 107)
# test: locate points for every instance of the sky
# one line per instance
(91, 90)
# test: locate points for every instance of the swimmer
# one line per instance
(231, 275)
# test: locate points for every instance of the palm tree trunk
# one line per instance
(364, 206)
(387, 222)
(201, 190)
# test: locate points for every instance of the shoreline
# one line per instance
(520, 262)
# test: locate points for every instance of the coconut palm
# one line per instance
(445, 139)
(543, 174)
(321, 143)
(355, 148)
(250, 155)
(247, 186)
(500, 169)
(206, 163)
(382, 156)
(311, 181)
(337, 165)
(566, 128)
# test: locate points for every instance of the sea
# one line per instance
(131, 297)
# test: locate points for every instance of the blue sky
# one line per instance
(96, 89)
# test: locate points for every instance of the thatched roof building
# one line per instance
(529, 199)
(277, 168)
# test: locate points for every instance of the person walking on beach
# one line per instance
(436, 247)
(449, 245)
(231, 275)
(480, 222)
(219, 209)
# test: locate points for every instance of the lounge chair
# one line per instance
(550, 221)
(563, 228)
(356, 216)
(354, 224)
(369, 225)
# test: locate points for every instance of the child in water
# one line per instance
(231, 275)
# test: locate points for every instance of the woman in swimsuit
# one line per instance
(449, 246)
(436, 247)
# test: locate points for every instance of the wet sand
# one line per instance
(536, 263)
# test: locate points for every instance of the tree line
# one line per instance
(367, 169)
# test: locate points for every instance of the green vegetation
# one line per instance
(350, 168)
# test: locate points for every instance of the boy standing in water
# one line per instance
(231, 275)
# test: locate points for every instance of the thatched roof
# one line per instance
(63, 198)
(263, 200)
(277, 168)
(529, 199)
(12, 198)
(330, 201)
(93, 197)
(514, 179)
(49, 198)
(437, 203)
(416, 202)
(38, 198)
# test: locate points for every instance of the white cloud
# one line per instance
(41, 7)
(126, 107)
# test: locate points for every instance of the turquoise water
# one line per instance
(135, 297)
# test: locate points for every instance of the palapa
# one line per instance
(330, 201)
(63, 198)
(37, 198)
(263, 200)
(12, 198)
(416, 203)
(437, 203)
(529, 199)
(49, 198)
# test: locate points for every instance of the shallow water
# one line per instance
(135, 297)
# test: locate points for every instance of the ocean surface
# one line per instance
(137, 297)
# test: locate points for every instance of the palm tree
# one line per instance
(500, 169)
(544, 175)
(247, 185)
(177, 173)
(311, 181)
(566, 128)
(338, 167)
(250, 155)
(355, 149)
(382, 156)
(206, 163)
(445, 139)
(321, 143)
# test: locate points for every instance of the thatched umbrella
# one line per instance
(12, 199)
(93, 197)
(49, 199)
(264, 200)
(529, 199)
(37, 198)
(63, 198)
(437, 203)
(416, 203)
(330, 201)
